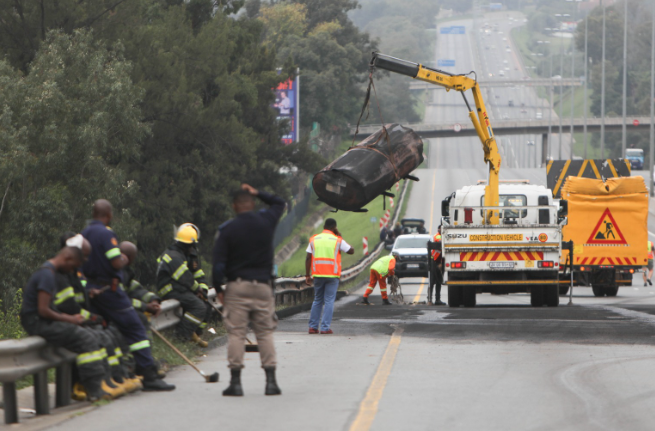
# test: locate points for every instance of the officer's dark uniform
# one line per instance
(176, 281)
(80, 340)
(435, 260)
(113, 303)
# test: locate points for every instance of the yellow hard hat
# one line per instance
(187, 233)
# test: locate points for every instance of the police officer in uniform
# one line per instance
(436, 274)
(176, 281)
(243, 253)
(102, 270)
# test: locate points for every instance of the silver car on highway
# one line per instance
(412, 255)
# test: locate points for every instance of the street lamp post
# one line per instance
(573, 71)
(550, 106)
(602, 91)
(652, 104)
(625, 74)
(586, 79)
(561, 101)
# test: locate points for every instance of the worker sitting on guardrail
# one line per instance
(175, 281)
(381, 268)
(39, 317)
(72, 298)
(143, 300)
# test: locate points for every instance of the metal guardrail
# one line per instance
(34, 356)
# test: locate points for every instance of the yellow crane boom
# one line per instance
(480, 119)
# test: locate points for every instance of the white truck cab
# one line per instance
(521, 254)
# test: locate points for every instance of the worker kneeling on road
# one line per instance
(175, 281)
(381, 268)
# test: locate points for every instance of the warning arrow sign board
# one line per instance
(606, 231)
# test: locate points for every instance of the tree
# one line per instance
(68, 129)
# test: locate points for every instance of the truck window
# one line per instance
(511, 201)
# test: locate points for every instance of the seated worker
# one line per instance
(175, 281)
(381, 268)
(143, 300)
(71, 298)
(193, 263)
(39, 317)
(102, 270)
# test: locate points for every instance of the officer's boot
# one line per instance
(199, 341)
(95, 391)
(271, 385)
(235, 389)
(152, 382)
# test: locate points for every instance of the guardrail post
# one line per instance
(11, 405)
(41, 401)
(64, 382)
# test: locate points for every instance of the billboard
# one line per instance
(455, 29)
(286, 106)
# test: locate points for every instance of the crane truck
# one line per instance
(496, 238)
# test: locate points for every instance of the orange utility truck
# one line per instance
(607, 221)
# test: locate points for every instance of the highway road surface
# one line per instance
(502, 365)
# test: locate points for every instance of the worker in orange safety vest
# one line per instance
(436, 274)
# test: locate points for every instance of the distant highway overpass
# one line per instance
(516, 127)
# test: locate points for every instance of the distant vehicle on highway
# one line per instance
(501, 73)
(413, 226)
(530, 143)
(636, 157)
(523, 111)
(505, 116)
(510, 103)
(412, 255)
(504, 61)
(508, 50)
(539, 116)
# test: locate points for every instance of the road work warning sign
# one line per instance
(606, 232)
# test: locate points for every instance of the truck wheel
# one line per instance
(611, 291)
(537, 296)
(552, 295)
(564, 290)
(598, 291)
(468, 296)
(454, 296)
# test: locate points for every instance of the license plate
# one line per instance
(501, 264)
(412, 266)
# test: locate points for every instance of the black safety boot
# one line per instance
(365, 301)
(438, 301)
(94, 392)
(385, 301)
(235, 389)
(271, 385)
(152, 382)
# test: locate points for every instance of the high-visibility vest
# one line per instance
(326, 260)
(435, 253)
(384, 264)
(650, 250)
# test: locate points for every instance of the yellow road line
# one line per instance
(369, 405)
(420, 290)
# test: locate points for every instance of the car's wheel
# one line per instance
(598, 291)
(552, 295)
(537, 296)
(454, 296)
(611, 291)
(564, 290)
(468, 296)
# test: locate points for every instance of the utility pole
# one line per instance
(561, 100)
(586, 79)
(573, 74)
(551, 107)
(625, 74)
(602, 91)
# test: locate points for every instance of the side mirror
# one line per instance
(563, 208)
(445, 207)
